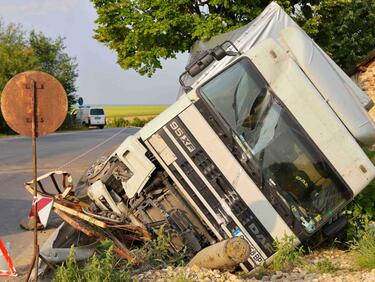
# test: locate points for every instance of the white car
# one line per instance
(91, 116)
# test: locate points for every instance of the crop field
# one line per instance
(132, 111)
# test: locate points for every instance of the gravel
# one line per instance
(345, 272)
(186, 274)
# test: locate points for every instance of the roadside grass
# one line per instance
(2, 135)
(324, 265)
(99, 267)
(132, 111)
(288, 254)
(107, 266)
(124, 122)
(363, 250)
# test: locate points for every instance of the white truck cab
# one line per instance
(264, 141)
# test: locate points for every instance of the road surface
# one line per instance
(69, 151)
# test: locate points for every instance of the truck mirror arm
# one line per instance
(205, 59)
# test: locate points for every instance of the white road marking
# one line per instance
(92, 149)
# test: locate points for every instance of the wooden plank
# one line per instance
(120, 250)
(80, 215)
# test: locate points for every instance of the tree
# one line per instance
(15, 53)
(15, 56)
(144, 31)
(52, 59)
(346, 30)
(21, 51)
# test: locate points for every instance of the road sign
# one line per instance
(34, 104)
(17, 105)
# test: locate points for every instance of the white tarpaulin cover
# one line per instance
(340, 92)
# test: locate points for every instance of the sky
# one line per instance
(101, 80)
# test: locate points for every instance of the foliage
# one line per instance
(122, 122)
(345, 29)
(364, 250)
(362, 210)
(69, 271)
(99, 268)
(52, 59)
(322, 266)
(262, 270)
(142, 31)
(21, 51)
(325, 266)
(288, 254)
(156, 252)
(106, 266)
(138, 122)
(70, 122)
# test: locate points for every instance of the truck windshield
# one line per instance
(267, 133)
(96, 112)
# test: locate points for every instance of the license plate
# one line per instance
(97, 117)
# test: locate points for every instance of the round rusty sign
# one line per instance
(17, 103)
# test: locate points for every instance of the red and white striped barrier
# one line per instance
(44, 207)
(11, 271)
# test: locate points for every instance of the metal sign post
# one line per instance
(45, 107)
(34, 134)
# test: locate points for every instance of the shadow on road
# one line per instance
(15, 211)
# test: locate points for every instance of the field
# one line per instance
(132, 111)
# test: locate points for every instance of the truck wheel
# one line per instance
(101, 126)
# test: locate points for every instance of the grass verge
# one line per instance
(324, 265)
(287, 255)
(106, 266)
(364, 250)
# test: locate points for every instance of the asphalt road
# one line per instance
(69, 151)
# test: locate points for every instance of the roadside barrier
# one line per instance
(44, 207)
(8, 269)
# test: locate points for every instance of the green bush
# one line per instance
(70, 122)
(4, 128)
(156, 252)
(69, 271)
(121, 122)
(99, 268)
(287, 255)
(138, 122)
(362, 210)
(106, 266)
(363, 250)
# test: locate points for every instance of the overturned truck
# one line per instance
(263, 141)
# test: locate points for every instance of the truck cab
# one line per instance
(257, 146)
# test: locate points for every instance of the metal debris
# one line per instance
(82, 220)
